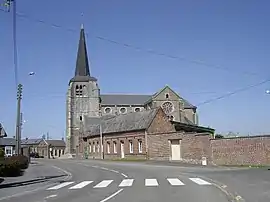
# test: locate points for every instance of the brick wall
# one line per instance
(241, 151)
(161, 124)
(125, 138)
(193, 146)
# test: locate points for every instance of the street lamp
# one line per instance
(267, 91)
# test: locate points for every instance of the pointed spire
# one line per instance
(82, 64)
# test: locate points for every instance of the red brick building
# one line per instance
(145, 135)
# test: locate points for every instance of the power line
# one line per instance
(63, 95)
(233, 92)
(155, 53)
(126, 45)
(246, 88)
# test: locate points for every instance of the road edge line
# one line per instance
(69, 175)
(104, 168)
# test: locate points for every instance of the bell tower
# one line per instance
(82, 97)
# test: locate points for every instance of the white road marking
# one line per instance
(69, 175)
(124, 175)
(126, 183)
(107, 169)
(81, 185)
(111, 196)
(151, 182)
(51, 196)
(115, 171)
(175, 181)
(103, 184)
(104, 168)
(199, 181)
(60, 186)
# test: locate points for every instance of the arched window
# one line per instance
(107, 110)
(123, 110)
(79, 90)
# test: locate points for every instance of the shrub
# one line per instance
(2, 153)
(10, 168)
(21, 160)
(13, 166)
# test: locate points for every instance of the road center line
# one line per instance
(111, 196)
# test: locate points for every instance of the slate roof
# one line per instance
(31, 141)
(56, 143)
(122, 99)
(121, 123)
(7, 142)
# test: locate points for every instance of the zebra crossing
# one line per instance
(126, 183)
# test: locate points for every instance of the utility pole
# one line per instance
(20, 131)
(18, 122)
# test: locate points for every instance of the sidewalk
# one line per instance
(36, 172)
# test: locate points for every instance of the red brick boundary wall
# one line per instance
(253, 150)
(193, 146)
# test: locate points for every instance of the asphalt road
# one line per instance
(100, 181)
(252, 184)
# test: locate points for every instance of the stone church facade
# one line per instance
(86, 107)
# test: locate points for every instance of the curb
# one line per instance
(26, 182)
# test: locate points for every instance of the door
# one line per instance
(175, 149)
(122, 150)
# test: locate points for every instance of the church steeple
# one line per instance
(82, 64)
(82, 71)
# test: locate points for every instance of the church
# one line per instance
(123, 125)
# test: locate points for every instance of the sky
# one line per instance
(202, 49)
